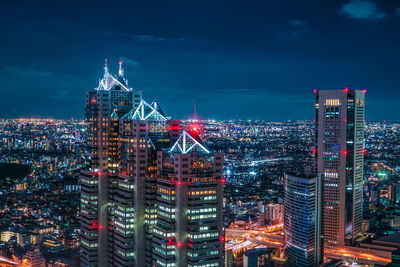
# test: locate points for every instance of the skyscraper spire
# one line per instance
(105, 67)
(195, 115)
(121, 70)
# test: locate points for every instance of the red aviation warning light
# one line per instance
(223, 180)
(364, 151)
(314, 150)
(94, 225)
(346, 89)
(315, 91)
(180, 183)
(170, 242)
(222, 238)
(345, 152)
(179, 244)
(364, 91)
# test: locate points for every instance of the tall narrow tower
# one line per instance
(111, 100)
(339, 147)
(189, 229)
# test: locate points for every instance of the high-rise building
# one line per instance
(339, 149)
(189, 226)
(111, 100)
(120, 186)
(302, 219)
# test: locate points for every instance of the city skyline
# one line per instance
(199, 133)
(267, 54)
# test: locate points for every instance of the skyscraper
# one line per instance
(302, 219)
(189, 230)
(339, 147)
(109, 101)
(120, 188)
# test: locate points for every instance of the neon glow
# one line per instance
(187, 143)
(146, 111)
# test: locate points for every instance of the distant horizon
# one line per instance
(265, 120)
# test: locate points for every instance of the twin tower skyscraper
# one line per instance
(323, 209)
(151, 193)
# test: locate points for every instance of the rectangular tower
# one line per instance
(302, 219)
(339, 147)
(189, 226)
(105, 105)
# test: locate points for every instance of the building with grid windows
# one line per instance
(302, 219)
(189, 228)
(122, 187)
(339, 149)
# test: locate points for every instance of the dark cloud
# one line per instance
(362, 9)
(129, 61)
(24, 72)
(297, 29)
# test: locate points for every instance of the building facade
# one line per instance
(189, 226)
(339, 149)
(302, 219)
(121, 204)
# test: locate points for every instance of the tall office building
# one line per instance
(189, 228)
(302, 219)
(119, 186)
(339, 147)
(110, 100)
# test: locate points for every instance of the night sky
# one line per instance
(235, 59)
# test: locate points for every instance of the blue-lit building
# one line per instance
(302, 219)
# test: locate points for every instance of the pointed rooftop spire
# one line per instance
(121, 70)
(105, 67)
(187, 143)
(195, 114)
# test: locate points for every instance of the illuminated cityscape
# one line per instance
(257, 154)
(199, 133)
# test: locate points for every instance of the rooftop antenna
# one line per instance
(105, 74)
(121, 70)
(105, 66)
(195, 115)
